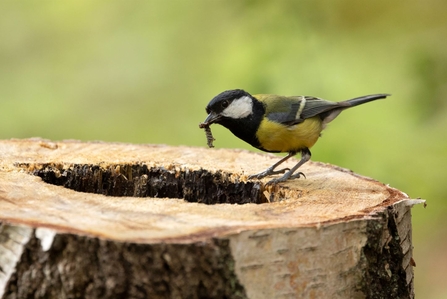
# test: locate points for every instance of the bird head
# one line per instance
(229, 105)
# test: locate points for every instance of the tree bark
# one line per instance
(110, 220)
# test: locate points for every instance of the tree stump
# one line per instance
(110, 220)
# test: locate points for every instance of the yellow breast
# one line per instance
(280, 138)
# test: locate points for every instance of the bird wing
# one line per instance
(295, 109)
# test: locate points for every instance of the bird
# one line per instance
(277, 124)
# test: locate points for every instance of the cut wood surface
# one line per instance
(335, 234)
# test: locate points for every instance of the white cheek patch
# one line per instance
(239, 108)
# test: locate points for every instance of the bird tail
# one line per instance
(366, 99)
(332, 114)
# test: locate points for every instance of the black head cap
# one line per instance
(224, 99)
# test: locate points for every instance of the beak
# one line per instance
(212, 118)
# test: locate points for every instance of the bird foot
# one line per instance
(268, 172)
(285, 177)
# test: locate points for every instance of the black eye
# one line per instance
(225, 104)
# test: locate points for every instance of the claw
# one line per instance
(298, 175)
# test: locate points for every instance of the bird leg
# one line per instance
(305, 156)
(271, 170)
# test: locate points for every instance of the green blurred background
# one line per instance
(143, 72)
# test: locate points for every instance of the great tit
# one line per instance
(276, 124)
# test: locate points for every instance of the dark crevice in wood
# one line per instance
(385, 278)
(139, 180)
